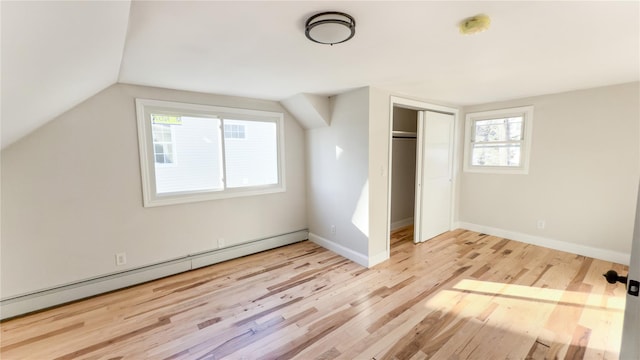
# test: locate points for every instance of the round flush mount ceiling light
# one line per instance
(330, 28)
(474, 24)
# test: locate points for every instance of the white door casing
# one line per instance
(417, 212)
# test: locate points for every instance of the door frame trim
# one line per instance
(401, 102)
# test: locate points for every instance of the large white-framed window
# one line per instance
(223, 152)
(499, 141)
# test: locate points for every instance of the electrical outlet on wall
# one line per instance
(541, 224)
(221, 243)
(333, 229)
(121, 259)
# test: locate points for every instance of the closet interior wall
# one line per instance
(403, 169)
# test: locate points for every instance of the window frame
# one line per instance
(144, 109)
(525, 149)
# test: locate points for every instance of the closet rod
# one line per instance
(404, 135)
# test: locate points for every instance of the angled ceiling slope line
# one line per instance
(311, 111)
(55, 55)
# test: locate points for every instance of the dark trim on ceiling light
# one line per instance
(339, 18)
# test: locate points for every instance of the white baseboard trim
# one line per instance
(340, 249)
(378, 258)
(26, 303)
(401, 223)
(590, 251)
(224, 254)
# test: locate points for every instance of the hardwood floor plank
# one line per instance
(329, 354)
(461, 295)
(28, 341)
(579, 344)
(538, 351)
(91, 348)
(423, 295)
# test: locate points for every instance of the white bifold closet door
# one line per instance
(434, 170)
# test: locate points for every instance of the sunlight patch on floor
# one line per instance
(537, 294)
(536, 316)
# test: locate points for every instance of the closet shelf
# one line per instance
(404, 134)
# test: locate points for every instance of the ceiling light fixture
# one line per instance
(330, 28)
(474, 24)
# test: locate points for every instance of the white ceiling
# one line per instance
(54, 56)
(57, 54)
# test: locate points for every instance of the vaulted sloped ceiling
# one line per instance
(57, 54)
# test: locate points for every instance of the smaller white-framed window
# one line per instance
(499, 141)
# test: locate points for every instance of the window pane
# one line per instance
(495, 155)
(168, 153)
(505, 129)
(158, 131)
(162, 138)
(251, 156)
(233, 131)
(199, 167)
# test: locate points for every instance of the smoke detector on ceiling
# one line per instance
(474, 24)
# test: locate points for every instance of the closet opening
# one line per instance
(403, 174)
(421, 177)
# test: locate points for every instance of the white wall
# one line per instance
(379, 139)
(72, 197)
(348, 177)
(403, 180)
(582, 179)
(337, 177)
(72, 193)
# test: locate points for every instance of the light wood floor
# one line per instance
(462, 295)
